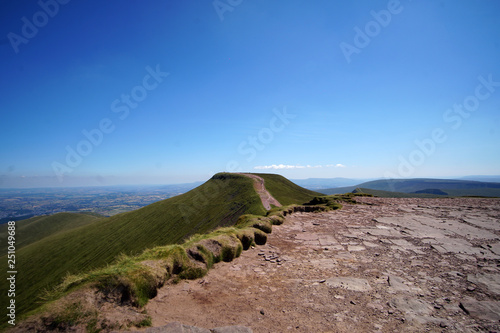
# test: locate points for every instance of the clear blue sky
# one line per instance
(175, 91)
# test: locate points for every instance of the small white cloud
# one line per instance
(338, 165)
(279, 166)
(284, 166)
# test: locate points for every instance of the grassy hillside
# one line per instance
(218, 202)
(285, 191)
(36, 228)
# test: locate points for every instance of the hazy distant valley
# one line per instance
(18, 204)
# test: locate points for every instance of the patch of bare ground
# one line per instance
(389, 265)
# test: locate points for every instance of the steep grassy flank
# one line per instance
(286, 192)
(34, 229)
(217, 203)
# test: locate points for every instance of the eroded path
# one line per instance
(265, 196)
(391, 265)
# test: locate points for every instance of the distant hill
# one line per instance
(389, 194)
(491, 179)
(437, 187)
(339, 190)
(216, 203)
(418, 184)
(36, 228)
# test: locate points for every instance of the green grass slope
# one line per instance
(217, 203)
(285, 191)
(36, 228)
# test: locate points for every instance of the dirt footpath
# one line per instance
(388, 265)
(266, 197)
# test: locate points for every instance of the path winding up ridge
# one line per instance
(265, 196)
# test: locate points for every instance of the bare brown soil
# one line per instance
(388, 265)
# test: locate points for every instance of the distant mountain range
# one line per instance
(328, 183)
(422, 187)
(491, 179)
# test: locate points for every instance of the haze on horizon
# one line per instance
(173, 92)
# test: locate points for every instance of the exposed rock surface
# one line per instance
(390, 265)
(176, 327)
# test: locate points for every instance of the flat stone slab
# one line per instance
(324, 263)
(381, 232)
(415, 226)
(483, 222)
(459, 246)
(397, 284)
(354, 248)
(307, 236)
(488, 281)
(343, 255)
(176, 327)
(349, 283)
(423, 226)
(327, 240)
(232, 329)
(486, 310)
(495, 248)
(411, 306)
(337, 247)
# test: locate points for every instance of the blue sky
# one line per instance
(129, 92)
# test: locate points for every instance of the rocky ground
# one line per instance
(387, 265)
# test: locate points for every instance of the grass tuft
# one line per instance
(246, 237)
(260, 237)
